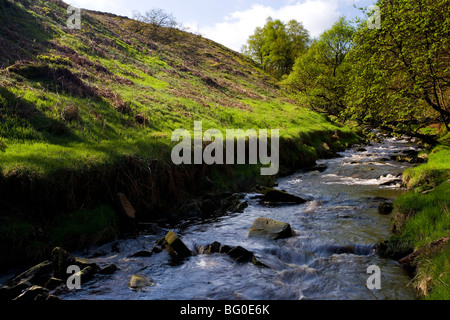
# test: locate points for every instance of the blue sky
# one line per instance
(231, 22)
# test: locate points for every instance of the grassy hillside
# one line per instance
(88, 97)
(88, 113)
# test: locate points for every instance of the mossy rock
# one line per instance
(175, 246)
(140, 282)
(270, 229)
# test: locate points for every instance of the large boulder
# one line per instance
(270, 229)
(61, 260)
(11, 290)
(33, 293)
(175, 246)
(140, 282)
(38, 274)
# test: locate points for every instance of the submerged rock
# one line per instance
(320, 168)
(109, 269)
(412, 159)
(210, 249)
(385, 208)
(140, 282)
(270, 229)
(141, 254)
(240, 254)
(273, 196)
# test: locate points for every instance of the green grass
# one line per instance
(32, 142)
(83, 227)
(431, 220)
(431, 174)
(424, 217)
(438, 268)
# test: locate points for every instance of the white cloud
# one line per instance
(233, 32)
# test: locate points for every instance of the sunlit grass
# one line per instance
(435, 171)
(430, 221)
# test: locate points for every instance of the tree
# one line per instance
(320, 78)
(401, 73)
(277, 45)
(157, 23)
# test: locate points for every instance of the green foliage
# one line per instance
(16, 232)
(320, 78)
(277, 45)
(83, 227)
(400, 75)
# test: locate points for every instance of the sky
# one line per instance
(231, 22)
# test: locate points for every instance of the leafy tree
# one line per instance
(401, 72)
(320, 78)
(156, 23)
(277, 45)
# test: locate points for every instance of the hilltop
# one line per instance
(87, 113)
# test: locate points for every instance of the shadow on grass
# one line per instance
(18, 113)
(22, 34)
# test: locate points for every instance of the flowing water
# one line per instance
(328, 257)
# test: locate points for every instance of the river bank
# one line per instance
(421, 225)
(79, 208)
(334, 235)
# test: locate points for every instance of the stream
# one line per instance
(327, 259)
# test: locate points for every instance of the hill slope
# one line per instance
(87, 113)
(85, 95)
